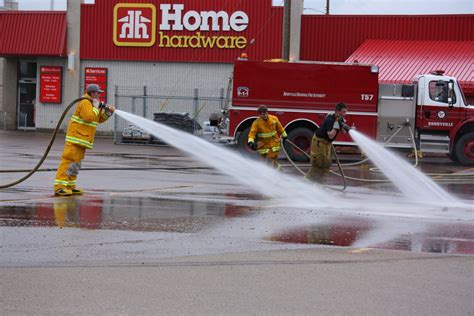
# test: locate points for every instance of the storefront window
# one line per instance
(27, 70)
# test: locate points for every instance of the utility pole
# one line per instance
(285, 52)
(327, 7)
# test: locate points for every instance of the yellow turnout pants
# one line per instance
(321, 159)
(271, 158)
(69, 167)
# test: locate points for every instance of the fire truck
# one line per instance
(430, 113)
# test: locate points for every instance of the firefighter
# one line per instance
(268, 130)
(79, 137)
(321, 158)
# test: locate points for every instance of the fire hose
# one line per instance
(309, 157)
(436, 176)
(45, 155)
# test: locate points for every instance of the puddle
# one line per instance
(137, 214)
(260, 221)
(451, 238)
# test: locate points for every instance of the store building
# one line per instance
(181, 52)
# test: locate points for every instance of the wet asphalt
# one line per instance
(154, 221)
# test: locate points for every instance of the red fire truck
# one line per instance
(301, 94)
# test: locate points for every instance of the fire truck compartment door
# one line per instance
(396, 108)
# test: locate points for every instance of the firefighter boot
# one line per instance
(77, 191)
(63, 192)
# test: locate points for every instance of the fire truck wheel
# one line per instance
(464, 149)
(243, 144)
(300, 136)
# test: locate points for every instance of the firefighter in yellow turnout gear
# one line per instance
(79, 137)
(268, 130)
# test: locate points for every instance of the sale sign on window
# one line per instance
(50, 84)
(99, 77)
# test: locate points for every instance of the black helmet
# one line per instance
(262, 109)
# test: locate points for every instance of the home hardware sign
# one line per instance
(136, 24)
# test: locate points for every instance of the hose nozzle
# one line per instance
(346, 127)
(105, 107)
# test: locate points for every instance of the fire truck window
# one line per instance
(439, 91)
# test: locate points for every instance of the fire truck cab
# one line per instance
(435, 109)
(430, 113)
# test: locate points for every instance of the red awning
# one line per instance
(400, 61)
(32, 33)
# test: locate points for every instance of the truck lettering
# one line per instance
(447, 124)
(367, 97)
(304, 94)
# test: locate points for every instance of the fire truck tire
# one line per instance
(242, 143)
(300, 136)
(464, 149)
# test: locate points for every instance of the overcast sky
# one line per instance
(336, 6)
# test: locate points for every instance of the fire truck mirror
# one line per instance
(450, 93)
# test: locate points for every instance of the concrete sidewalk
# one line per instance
(290, 282)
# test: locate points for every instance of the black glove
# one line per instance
(253, 145)
(106, 108)
(346, 127)
(341, 120)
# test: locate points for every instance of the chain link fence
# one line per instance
(186, 111)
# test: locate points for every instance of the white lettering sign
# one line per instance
(172, 19)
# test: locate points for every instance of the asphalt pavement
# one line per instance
(159, 233)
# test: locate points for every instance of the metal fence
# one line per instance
(196, 106)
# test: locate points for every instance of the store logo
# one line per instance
(134, 24)
(243, 92)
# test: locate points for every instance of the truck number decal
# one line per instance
(367, 97)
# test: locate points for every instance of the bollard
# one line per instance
(115, 116)
(221, 98)
(196, 106)
(145, 110)
(134, 108)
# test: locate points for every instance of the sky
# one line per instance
(336, 6)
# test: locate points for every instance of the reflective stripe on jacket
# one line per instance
(268, 133)
(83, 124)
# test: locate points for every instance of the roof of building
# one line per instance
(401, 61)
(335, 37)
(32, 33)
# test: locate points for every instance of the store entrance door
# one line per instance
(26, 95)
